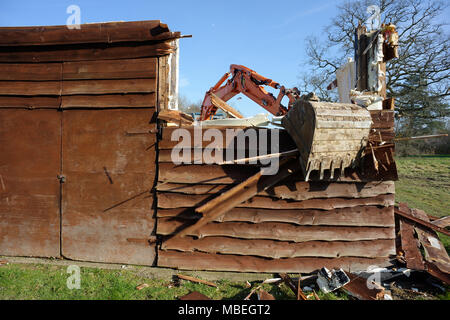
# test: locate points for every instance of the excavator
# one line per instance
(329, 136)
(248, 82)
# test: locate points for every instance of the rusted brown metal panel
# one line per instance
(410, 246)
(109, 168)
(434, 250)
(280, 249)
(110, 69)
(369, 216)
(276, 231)
(207, 261)
(143, 100)
(29, 188)
(176, 200)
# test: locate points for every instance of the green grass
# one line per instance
(424, 183)
(48, 282)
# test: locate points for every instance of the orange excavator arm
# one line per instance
(246, 81)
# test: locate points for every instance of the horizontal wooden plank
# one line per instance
(30, 159)
(280, 249)
(31, 88)
(30, 71)
(356, 216)
(110, 69)
(73, 87)
(225, 174)
(168, 200)
(110, 101)
(297, 191)
(85, 52)
(107, 32)
(217, 262)
(209, 174)
(30, 102)
(276, 231)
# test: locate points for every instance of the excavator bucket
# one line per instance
(329, 136)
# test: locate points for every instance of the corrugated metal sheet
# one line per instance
(30, 160)
(108, 163)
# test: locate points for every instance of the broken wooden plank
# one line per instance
(291, 285)
(192, 279)
(442, 222)
(142, 286)
(238, 194)
(175, 116)
(290, 153)
(219, 103)
(421, 137)
(435, 251)
(422, 222)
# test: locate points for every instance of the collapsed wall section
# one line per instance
(295, 226)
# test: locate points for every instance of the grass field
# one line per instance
(423, 183)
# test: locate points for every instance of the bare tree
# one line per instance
(418, 79)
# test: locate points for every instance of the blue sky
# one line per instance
(266, 36)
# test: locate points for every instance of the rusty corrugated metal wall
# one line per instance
(78, 139)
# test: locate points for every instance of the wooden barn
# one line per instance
(78, 138)
(86, 171)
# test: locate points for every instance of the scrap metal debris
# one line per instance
(194, 295)
(435, 259)
(363, 290)
(329, 281)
